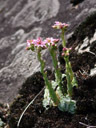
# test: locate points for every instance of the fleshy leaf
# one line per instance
(74, 82)
(67, 105)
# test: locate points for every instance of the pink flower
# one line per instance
(51, 41)
(63, 53)
(29, 43)
(36, 43)
(60, 25)
(39, 43)
(66, 51)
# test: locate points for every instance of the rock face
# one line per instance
(22, 20)
(36, 11)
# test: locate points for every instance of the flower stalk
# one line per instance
(71, 80)
(68, 77)
(57, 70)
(63, 39)
(47, 83)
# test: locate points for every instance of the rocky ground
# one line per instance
(83, 60)
(22, 20)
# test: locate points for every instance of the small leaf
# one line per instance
(1, 123)
(63, 75)
(67, 105)
(74, 82)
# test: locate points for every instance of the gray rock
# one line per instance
(36, 11)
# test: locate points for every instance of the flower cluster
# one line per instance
(51, 41)
(35, 43)
(66, 51)
(39, 43)
(59, 25)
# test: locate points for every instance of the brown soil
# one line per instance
(37, 117)
(85, 95)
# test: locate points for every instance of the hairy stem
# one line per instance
(63, 39)
(68, 77)
(73, 79)
(47, 83)
(57, 71)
